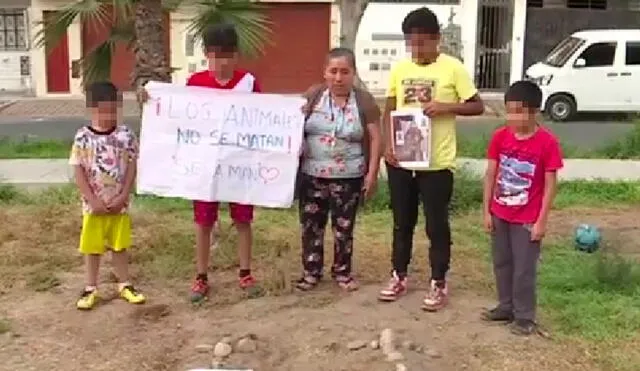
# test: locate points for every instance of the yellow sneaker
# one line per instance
(130, 294)
(87, 300)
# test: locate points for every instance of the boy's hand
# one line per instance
(488, 223)
(390, 157)
(538, 230)
(433, 109)
(117, 203)
(143, 95)
(98, 207)
(369, 185)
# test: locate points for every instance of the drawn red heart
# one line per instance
(269, 174)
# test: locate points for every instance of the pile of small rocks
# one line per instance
(387, 343)
(227, 345)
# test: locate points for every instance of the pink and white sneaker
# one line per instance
(395, 288)
(437, 297)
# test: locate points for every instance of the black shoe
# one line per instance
(523, 327)
(497, 315)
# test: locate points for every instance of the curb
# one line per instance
(6, 104)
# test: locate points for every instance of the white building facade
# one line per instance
(487, 35)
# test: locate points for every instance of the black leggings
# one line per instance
(435, 188)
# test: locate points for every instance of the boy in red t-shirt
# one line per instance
(221, 49)
(519, 188)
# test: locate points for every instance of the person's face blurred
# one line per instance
(339, 75)
(106, 113)
(423, 47)
(520, 117)
(222, 61)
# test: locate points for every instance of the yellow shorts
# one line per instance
(100, 232)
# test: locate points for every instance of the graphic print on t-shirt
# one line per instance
(413, 90)
(514, 181)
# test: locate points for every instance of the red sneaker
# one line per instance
(199, 290)
(436, 298)
(247, 282)
(394, 289)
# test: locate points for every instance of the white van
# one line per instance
(590, 71)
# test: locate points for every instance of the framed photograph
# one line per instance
(411, 137)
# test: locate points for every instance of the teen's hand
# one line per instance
(98, 207)
(390, 157)
(488, 223)
(538, 231)
(116, 204)
(369, 186)
(433, 109)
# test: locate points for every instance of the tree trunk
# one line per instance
(351, 12)
(150, 49)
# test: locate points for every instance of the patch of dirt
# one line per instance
(294, 332)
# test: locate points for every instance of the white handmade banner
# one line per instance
(219, 145)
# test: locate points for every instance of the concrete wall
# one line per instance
(179, 22)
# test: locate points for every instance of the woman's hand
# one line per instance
(369, 186)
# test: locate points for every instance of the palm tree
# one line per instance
(140, 25)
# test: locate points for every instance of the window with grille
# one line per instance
(374, 67)
(587, 4)
(13, 30)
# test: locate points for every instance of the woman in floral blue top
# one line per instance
(339, 166)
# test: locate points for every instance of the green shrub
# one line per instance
(8, 192)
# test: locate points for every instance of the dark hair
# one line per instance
(526, 92)
(343, 53)
(220, 37)
(101, 92)
(421, 21)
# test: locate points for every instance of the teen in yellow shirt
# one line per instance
(440, 85)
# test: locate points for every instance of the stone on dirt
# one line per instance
(204, 348)
(356, 344)
(246, 345)
(433, 353)
(222, 350)
(374, 344)
(395, 357)
(387, 341)
(401, 367)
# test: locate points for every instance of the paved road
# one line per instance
(581, 134)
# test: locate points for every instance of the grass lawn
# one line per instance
(590, 304)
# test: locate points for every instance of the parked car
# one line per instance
(590, 71)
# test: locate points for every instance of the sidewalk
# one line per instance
(75, 107)
(57, 107)
(56, 172)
